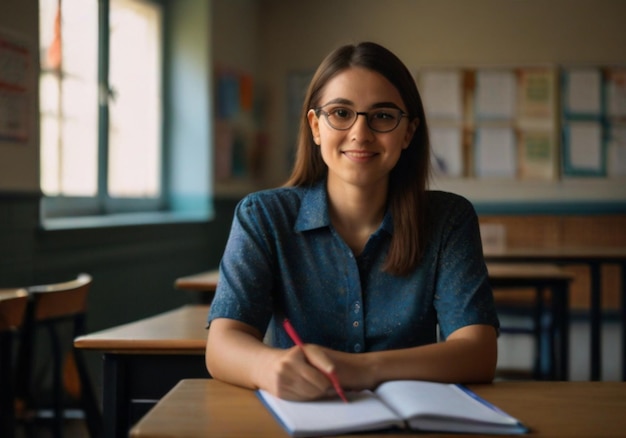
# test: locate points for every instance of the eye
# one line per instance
(341, 113)
(384, 114)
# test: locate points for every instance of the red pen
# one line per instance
(296, 340)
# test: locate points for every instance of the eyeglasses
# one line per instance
(379, 120)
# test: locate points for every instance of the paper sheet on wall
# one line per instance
(583, 91)
(447, 151)
(495, 152)
(585, 146)
(442, 93)
(536, 155)
(537, 93)
(495, 94)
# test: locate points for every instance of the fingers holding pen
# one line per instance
(295, 377)
(316, 357)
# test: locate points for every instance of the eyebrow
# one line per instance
(342, 101)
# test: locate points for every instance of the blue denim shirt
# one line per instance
(283, 255)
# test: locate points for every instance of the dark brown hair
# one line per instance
(407, 180)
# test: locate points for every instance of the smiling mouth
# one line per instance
(359, 154)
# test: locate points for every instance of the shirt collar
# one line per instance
(314, 210)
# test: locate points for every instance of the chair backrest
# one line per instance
(12, 307)
(60, 300)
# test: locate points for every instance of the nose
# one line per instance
(361, 130)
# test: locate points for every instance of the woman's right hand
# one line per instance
(298, 373)
(235, 353)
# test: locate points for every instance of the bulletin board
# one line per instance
(548, 138)
(497, 122)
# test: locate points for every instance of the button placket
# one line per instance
(356, 325)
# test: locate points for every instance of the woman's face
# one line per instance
(358, 155)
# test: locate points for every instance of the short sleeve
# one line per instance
(463, 294)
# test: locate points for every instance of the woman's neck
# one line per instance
(356, 212)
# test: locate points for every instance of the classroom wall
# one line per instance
(272, 38)
(295, 36)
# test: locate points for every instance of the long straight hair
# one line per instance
(407, 180)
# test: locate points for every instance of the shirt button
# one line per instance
(357, 307)
(357, 348)
(355, 324)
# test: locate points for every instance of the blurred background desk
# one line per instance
(541, 277)
(594, 258)
(210, 408)
(202, 284)
(143, 360)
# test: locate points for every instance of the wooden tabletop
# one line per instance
(574, 253)
(202, 282)
(179, 331)
(210, 408)
(527, 271)
(12, 307)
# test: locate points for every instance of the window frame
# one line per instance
(101, 204)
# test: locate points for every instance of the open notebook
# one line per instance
(417, 405)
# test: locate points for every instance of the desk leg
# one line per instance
(561, 308)
(538, 318)
(595, 321)
(114, 397)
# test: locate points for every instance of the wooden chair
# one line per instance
(12, 309)
(51, 307)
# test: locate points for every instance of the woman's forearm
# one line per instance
(469, 355)
(235, 355)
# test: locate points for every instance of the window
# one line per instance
(101, 106)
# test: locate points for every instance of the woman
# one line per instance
(368, 265)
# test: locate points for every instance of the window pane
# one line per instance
(135, 103)
(68, 93)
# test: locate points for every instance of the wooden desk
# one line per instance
(210, 408)
(541, 277)
(594, 258)
(204, 283)
(143, 360)
(12, 307)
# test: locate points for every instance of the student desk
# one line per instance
(540, 277)
(594, 258)
(143, 360)
(210, 408)
(203, 283)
